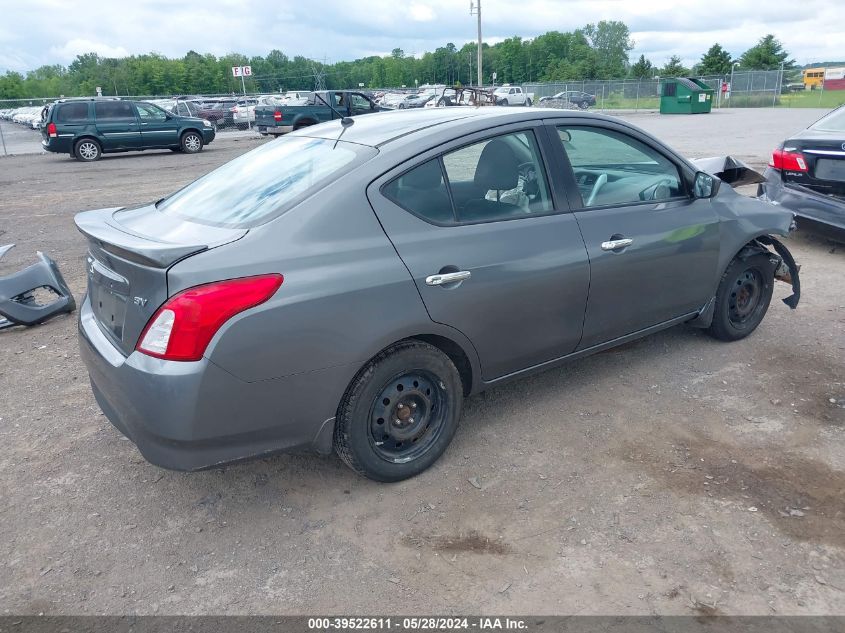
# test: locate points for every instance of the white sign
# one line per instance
(702, 97)
(241, 71)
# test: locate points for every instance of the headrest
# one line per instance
(498, 167)
(426, 176)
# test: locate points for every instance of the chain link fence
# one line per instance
(754, 89)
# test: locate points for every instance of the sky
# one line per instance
(38, 32)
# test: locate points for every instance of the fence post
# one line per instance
(637, 106)
(3, 138)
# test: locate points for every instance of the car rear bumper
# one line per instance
(825, 212)
(195, 415)
(275, 129)
(61, 144)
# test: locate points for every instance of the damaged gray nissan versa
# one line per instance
(346, 286)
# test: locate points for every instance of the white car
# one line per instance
(243, 114)
(513, 95)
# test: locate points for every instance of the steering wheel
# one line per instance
(601, 181)
(528, 175)
(661, 190)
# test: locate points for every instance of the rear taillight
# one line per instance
(51, 130)
(277, 116)
(183, 326)
(787, 160)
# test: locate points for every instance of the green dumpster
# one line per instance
(685, 95)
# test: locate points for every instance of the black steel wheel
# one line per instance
(743, 297)
(400, 412)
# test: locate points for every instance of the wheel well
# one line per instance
(455, 353)
(87, 137)
(190, 129)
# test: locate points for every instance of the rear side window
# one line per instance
(105, 110)
(72, 112)
(422, 191)
(265, 182)
(496, 179)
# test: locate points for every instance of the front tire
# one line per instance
(87, 150)
(743, 297)
(191, 143)
(400, 412)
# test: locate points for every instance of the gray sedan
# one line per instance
(345, 287)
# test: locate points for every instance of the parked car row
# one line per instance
(30, 116)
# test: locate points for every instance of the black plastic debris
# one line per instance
(729, 170)
(34, 294)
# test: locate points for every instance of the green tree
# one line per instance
(767, 54)
(716, 61)
(612, 43)
(674, 68)
(642, 69)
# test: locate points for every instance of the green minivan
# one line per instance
(90, 127)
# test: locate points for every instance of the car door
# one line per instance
(157, 128)
(653, 248)
(492, 252)
(117, 125)
(359, 104)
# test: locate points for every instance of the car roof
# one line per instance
(381, 128)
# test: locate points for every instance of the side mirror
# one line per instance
(705, 185)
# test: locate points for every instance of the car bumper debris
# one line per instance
(19, 304)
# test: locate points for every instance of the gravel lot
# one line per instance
(674, 475)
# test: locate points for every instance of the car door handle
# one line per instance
(612, 245)
(447, 278)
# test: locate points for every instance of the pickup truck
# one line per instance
(513, 96)
(281, 119)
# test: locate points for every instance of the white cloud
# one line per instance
(79, 46)
(342, 30)
(422, 13)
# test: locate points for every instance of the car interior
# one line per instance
(611, 168)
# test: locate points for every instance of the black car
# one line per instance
(577, 98)
(806, 174)
(88, 128)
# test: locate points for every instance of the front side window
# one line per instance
(612, 168)
(149, 113)
(496, 179)
(264, 182)
(72, 112)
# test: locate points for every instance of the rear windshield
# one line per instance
(262, 183)
(833, 122)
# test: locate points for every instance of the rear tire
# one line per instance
(191, 142)
(743, 297)
(528, 103)
(399, 413)
(87, 150)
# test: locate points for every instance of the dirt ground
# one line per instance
(674, 475)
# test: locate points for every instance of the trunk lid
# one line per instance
(825, 158)
(129, 254)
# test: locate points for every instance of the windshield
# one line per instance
(833, 122)
(262, 183)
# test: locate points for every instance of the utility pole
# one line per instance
(475, 9)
